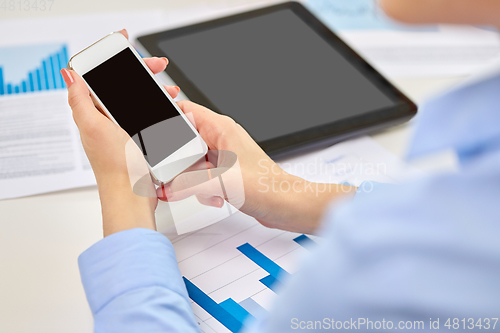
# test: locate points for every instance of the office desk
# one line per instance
(41, 236)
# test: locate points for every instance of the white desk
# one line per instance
(41, 236)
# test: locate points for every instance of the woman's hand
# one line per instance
(104, 143)
(275, 198)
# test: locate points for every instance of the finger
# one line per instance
(189, 184)
(124, 32)
(165, 191)
(156, 65)
(173, 91)
(209, 124)
(202, 114)
(210, 201)
(202, 164)
(84, 111)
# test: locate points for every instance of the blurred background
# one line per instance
(65, 7)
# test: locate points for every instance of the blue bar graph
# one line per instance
(235, 315)
(31, 68)
(253, 308)
(264, 262)
(45, 75)
(38, 80)
(54, 70)
(2, 90)
(60, 61)
(236, 310)
(271, 282)
(217, 311)
(304, 241)
(32, 85)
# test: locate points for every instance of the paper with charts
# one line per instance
(40, 148)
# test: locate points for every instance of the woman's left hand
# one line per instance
(104, 143)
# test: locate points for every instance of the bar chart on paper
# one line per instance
(40, 147)
(32, 68)
(234, 269)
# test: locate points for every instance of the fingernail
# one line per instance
(217, 202)
(166, 60)
(178, 89)
(68, 79)
(166, 192)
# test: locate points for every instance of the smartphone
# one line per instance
(124, 88)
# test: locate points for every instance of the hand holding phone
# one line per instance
(128, 93)
(104, 143)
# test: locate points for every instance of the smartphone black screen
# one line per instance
(139, 106)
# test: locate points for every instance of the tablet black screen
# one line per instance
(274, 74)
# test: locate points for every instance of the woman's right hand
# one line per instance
(299, 209)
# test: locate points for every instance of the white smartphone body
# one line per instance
(125, 89)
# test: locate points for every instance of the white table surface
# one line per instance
(41, 236)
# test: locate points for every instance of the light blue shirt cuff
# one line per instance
(126, 261)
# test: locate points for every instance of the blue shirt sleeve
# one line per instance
(133, 284)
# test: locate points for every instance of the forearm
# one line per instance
(315, 200)
(122, 209)
(302, 203)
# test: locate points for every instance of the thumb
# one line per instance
(84, 111)
(217, 202)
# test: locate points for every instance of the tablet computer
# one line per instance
(278, 71)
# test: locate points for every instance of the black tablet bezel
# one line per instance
(403, 110)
